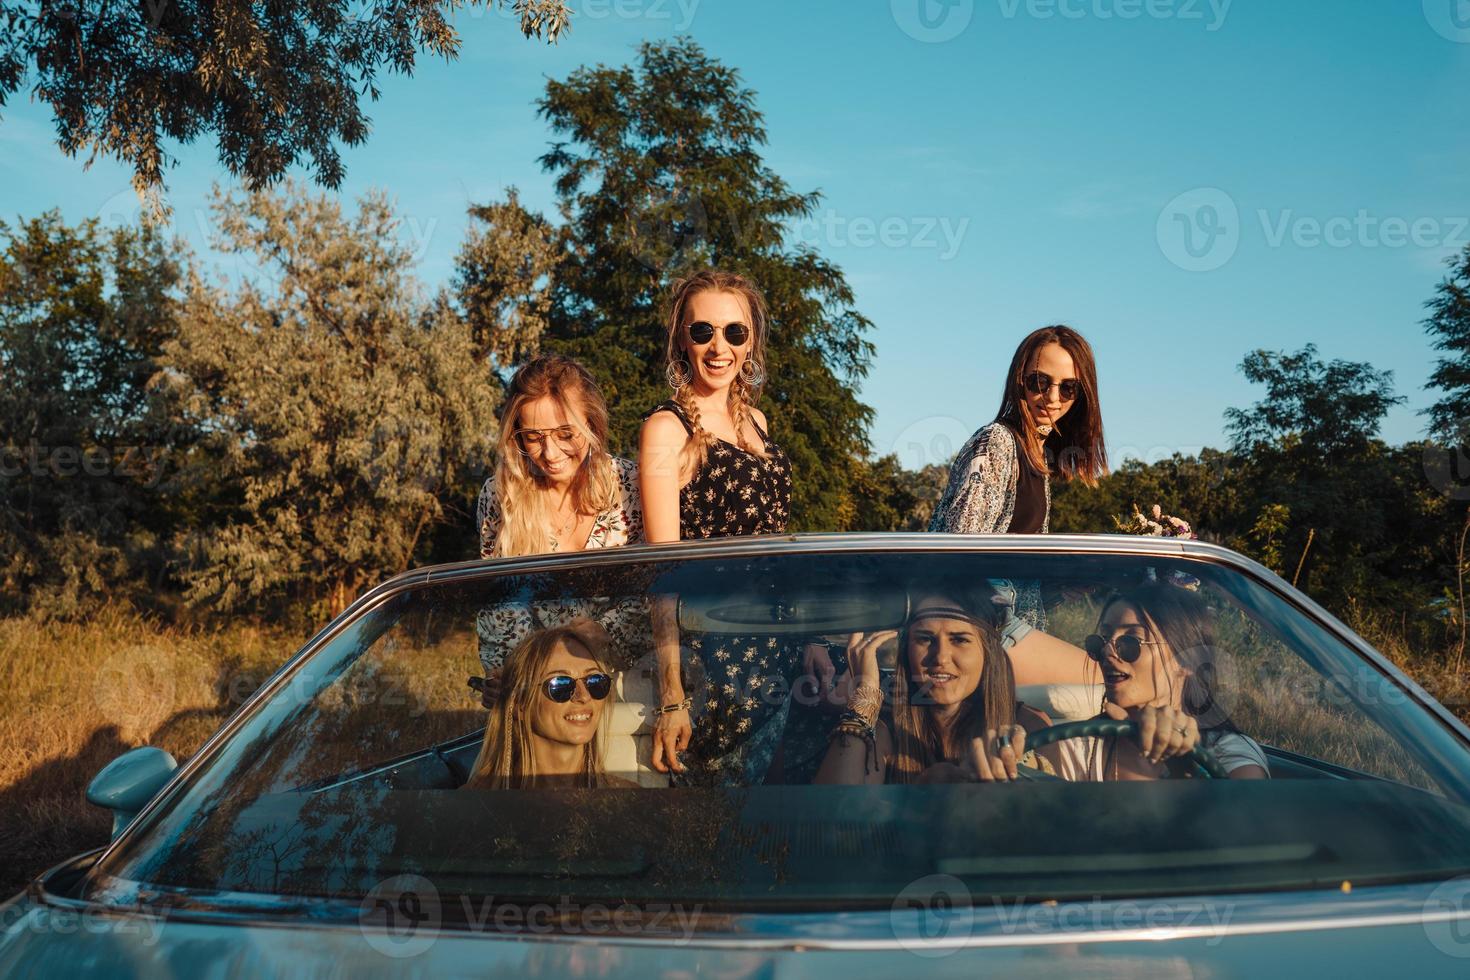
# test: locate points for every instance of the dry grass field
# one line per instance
(75, 696)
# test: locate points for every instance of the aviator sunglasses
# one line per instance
(561, 687)
(533, 441)
(1128, 648)
(736, 334)
(1039, 383)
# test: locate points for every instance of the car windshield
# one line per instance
(369, 758)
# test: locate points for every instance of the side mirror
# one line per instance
(127, 783)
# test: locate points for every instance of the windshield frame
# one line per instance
(1452, 772)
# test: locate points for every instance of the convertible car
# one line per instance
(326, 827)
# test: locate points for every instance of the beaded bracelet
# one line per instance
(669, 709)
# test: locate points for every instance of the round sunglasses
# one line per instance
(736, 334)
(1128, 648)
(1039, 383)
(561, 687)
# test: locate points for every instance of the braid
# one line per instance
(740, 413)
(699, 442)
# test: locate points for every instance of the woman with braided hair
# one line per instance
(707, 469)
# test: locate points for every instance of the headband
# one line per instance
(943, 612)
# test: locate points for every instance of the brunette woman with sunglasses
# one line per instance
(708, 468)
(546, 729)
(1156, 647)
(1049, 427)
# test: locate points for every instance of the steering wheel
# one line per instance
(1204, 760)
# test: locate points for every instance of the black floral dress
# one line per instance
(739, 711)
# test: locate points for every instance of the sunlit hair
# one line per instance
(742, 395)
(517, 480)
(920, 738)
(1074, 450)
(506, 759)
(1180, 618)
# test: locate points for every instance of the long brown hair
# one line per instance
(1074, 450)
(920, 738)
(1180, 617)
(742, 394)
(506, 760)
(594, 487)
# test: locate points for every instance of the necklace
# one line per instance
(570, 522)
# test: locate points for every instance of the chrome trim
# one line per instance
(1036, 923)
(763, 545)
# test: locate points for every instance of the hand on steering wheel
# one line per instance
(1204, 760)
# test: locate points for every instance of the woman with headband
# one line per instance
(954, 714)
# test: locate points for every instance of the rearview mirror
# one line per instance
(776, 612)
(127, 783)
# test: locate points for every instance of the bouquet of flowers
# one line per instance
(1155, 524)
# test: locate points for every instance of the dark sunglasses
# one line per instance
(736, 334)
(1128, 648)
(1039, 383)
(561, 687)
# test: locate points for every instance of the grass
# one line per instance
(74, 696)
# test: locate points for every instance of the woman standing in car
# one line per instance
(1049, 427)
(556, 488)
(708, 468)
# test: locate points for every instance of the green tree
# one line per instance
(349, 410)
(1448, 326)
(658, 172)
(1311, 446)
(84, 314)
(272, 83)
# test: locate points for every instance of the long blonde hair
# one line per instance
(506, 759)
(595, 485)
(743, 395)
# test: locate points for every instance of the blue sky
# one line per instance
(1182, 180)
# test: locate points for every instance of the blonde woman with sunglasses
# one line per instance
(548, 728)
(708, 468)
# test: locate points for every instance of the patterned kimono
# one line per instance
(981, 499)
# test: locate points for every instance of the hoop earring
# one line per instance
(752, 373)
(679, 374)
